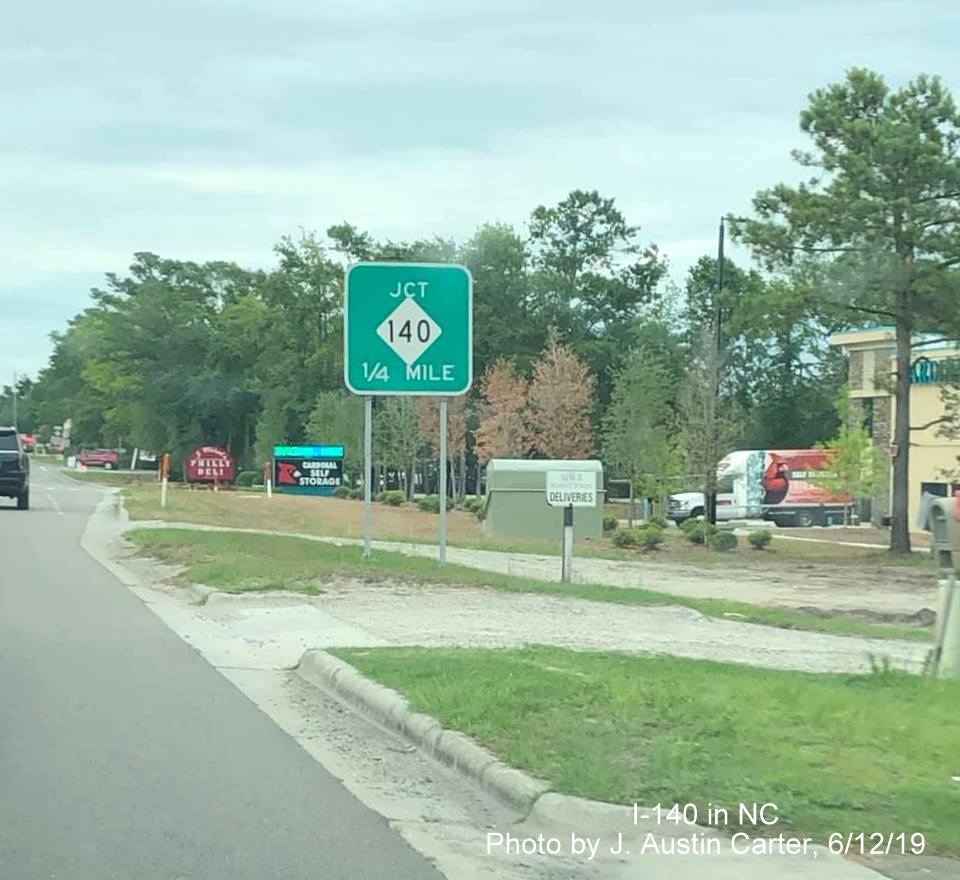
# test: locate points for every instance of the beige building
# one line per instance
(934, 460)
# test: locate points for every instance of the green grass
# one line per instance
(677, 550)
(834, 753)
(237, 562)
(142, 502)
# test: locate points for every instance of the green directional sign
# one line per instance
(408, 328)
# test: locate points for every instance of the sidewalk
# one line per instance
(355, 613)
(796, 587)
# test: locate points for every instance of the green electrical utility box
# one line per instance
(516, 500)
(946, 550)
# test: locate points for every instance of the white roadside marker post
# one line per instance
(165, 470)
(567, 570)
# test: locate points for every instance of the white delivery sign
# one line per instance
(571, 488)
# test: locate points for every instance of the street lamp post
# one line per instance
(710, 498)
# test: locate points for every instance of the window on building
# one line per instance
(866, 415)
(939, 489)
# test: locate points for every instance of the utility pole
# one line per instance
(710, 496)
(14, 398)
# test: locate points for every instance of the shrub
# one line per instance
(701, 533)
(689, 524)
(610, 523)
(649, 537)
(659, 521)
(429, 503)
(379, 496)
(356, 494)
(643, 537)
(342, 492)
(723, 541)
(760, 538)
(394, 498)
(625, 538)
(246, 478)
(474, 505)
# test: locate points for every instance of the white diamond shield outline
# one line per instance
(421, 331)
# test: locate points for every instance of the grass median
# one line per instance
(237, 562)
(871, 753)
(332, 516)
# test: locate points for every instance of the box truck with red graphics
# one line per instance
(772, 484)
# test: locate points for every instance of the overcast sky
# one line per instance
(206, 129)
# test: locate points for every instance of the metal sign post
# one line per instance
(367, 471)
(442, 557)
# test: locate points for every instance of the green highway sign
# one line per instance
(408, 328)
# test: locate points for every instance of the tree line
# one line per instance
(584, 344)
(575, 325)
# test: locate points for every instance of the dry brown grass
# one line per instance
(296, 513)
(344, 518)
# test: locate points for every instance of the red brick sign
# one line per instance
(208, 464)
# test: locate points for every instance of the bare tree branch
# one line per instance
(852, 308)
(930, 424)
(943, 221)
(839, 249)
(932, 341)
(936, 197)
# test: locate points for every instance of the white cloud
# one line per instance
(668, 184)
(211, 130)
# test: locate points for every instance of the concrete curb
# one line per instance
(199, 593)
(385, 706)
(103, 533)
(539, 806)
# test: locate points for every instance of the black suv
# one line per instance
(14, 468)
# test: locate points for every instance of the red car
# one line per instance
(105, 458)
(28, 442)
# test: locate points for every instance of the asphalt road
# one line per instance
(124, 755)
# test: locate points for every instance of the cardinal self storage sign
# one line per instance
(307, 470)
